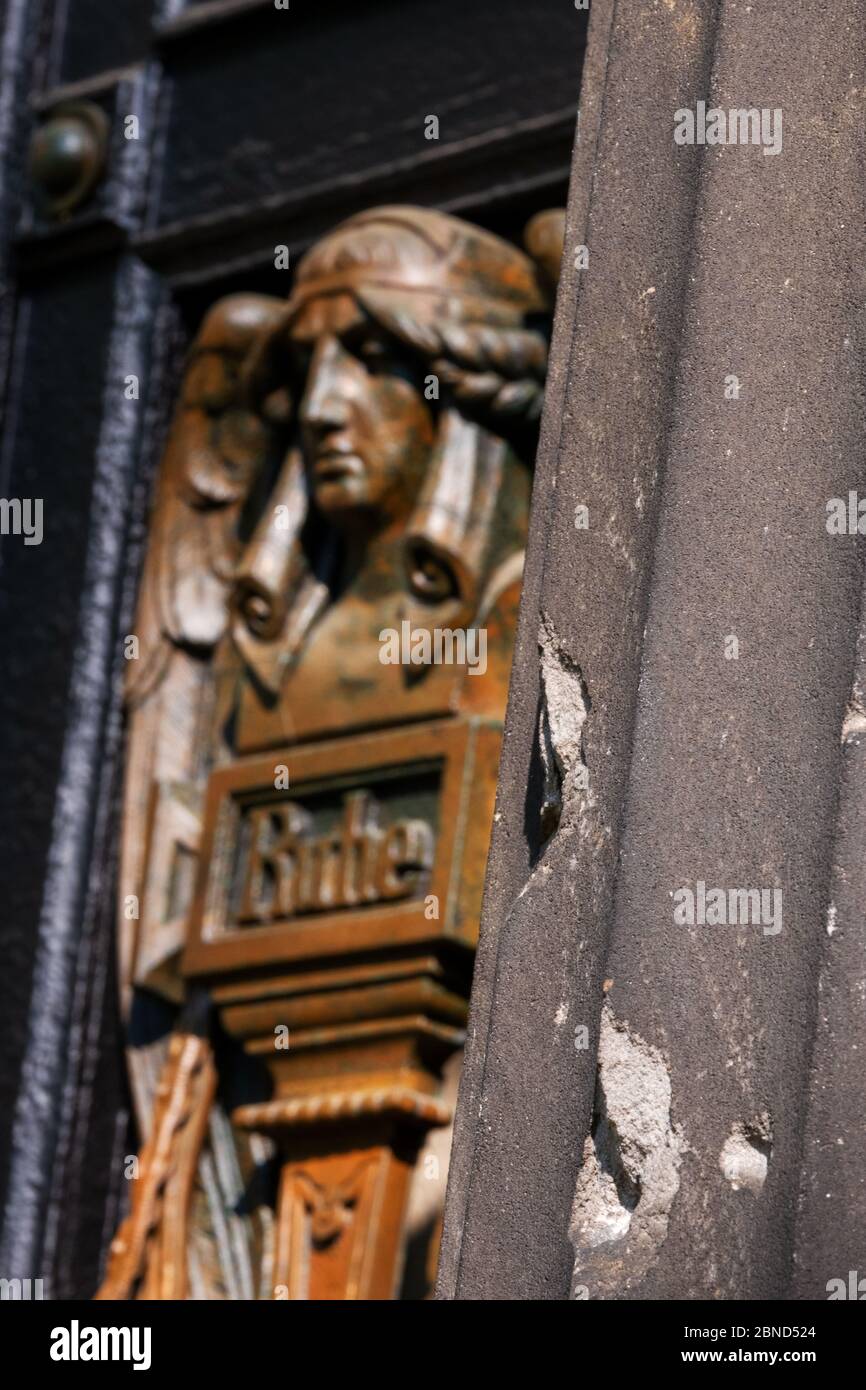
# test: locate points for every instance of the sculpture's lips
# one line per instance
(332, 464)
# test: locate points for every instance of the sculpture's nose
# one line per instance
(325, 404)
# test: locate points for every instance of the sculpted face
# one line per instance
(366, 428)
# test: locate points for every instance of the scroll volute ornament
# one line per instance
(325, 630)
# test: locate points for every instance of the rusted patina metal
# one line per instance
(323, 648)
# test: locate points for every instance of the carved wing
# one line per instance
(215, 456)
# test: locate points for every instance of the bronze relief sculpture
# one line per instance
(320, 666)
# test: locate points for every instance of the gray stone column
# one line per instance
(696, 645)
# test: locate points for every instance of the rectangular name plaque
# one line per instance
(378, 839)
(326, 851)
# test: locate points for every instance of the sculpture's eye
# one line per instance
(430, 577)
(371, 349)
(381, 356)
(375, 354)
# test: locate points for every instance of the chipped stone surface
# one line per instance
(631, 1168)
(854, 723)
(544, 936)
(745, 1156)
(700, 764)
(565, 706)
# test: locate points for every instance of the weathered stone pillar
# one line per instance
(696, 642)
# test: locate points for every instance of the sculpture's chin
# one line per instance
(351, 502)
(340, 498)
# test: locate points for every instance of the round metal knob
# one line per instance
(67, 155)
